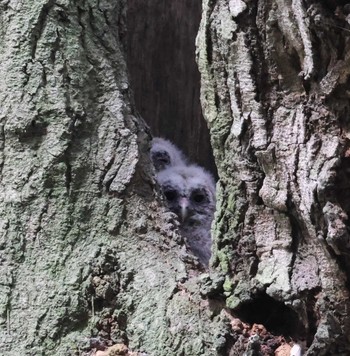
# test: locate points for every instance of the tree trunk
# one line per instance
(275, 95)
(86, 248)
(89, 258)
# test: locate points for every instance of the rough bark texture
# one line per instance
(275, 95)
(164, 75)
(85, 249)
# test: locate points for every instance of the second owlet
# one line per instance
(164, 154)
(190, 194)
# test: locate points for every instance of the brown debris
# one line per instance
(116, 350)
(270, 344)
(283, 350)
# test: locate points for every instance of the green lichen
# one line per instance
(224, 259)
(228, 285)
(232, 302)
(231, 201)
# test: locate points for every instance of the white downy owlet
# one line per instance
(164, 154)
(190, 193)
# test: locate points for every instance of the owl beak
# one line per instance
(184, 210)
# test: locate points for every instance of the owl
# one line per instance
(189, 192)
(164, 154)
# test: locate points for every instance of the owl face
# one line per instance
(164, 154)
(189, 193)
(161, 159)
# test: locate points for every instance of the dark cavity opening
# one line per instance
(274, 315)
(164, 75)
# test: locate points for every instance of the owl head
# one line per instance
(190, 193)
(164, 154)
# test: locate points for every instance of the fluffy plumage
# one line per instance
(190, 193)
(164, 154)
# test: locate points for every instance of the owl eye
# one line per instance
(198, 197)
(170, 195)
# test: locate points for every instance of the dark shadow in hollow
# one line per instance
(274, 315)
(164, 76)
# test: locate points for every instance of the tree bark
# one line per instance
(89, 258)
(274, 93)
